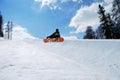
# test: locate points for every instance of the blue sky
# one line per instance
(42, 17)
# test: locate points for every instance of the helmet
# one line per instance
(57, 30)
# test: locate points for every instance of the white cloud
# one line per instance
(21, 33)
(87, 15)
(84, 17)
(50, 3)
(53, 4)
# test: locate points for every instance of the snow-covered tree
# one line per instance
(8, 30)
(106, 23)
(90, 34)
(1, 21)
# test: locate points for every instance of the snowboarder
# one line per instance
(55, 37)
(56, 34)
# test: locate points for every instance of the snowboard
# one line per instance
(53, 39)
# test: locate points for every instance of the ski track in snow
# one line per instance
(70, 60)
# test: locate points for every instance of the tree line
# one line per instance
(109, 27)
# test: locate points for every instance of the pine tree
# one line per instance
(90, 34)
(116, 10)
(106, 23)
(116, 18)
(1, 21)
(100, 33)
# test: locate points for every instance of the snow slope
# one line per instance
(71, 60)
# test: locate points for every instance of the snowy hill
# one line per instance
(31, 59)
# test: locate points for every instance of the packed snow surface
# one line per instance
(71, 60)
